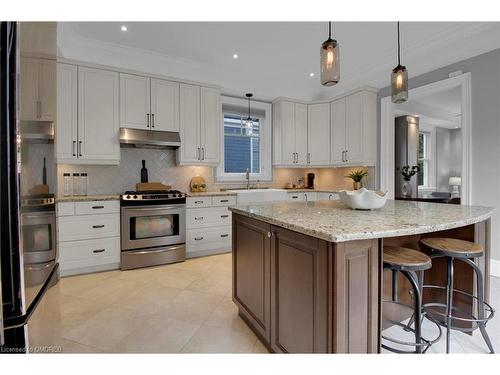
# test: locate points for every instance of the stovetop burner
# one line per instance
(172, 196)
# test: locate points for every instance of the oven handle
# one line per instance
(155, 251)
(154, 208)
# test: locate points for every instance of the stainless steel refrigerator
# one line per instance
(28, 253)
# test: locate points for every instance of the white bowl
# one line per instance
(363, 199)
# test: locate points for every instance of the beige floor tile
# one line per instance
(112, 290)
(69, 346)
(226, 315)
(75, 285)
(259, 348)
(105, 329)
(159, 334)
(149, 299)
(192, 307)
(202, 264)
(174, 277)
(214, 283)
(215, 339)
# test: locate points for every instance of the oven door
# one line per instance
(39, 237)
(153, 226)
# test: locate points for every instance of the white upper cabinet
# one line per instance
(134, 101)
(38, 89)
(87, 115)
(301, 133)
(148, 103)
(341, 132)
(190, 120)
(200, 124)
(337, 131)
(164, 105)
(318, 134)
(354, 129)
(211, 124)
(66, 136)
(98, 115)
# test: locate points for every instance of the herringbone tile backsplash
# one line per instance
(115, 179)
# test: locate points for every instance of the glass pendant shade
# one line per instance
(249, 126)
(330, 62)
(399, 84)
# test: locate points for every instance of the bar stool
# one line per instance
(453, 249)
(411, 264)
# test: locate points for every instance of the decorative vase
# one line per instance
(407, 189)
(357, 185)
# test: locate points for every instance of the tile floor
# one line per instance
(178, 308)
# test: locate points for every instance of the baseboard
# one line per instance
(495, 267)
(92, 269)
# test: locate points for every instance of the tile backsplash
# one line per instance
(115, 179)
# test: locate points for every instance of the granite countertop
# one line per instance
(88, 198)
(335, 222)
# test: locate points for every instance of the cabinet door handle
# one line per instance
(74, 148)
(38, 109)
(98, 251)
(295, 196)
(343, 156)
(203, 153)
(346, 159)
(308, 158)
(98, 226)
(224, 235)
(79, 148)
(224, 216)
(97, 207)
(198, 202)
(224, 200)
(147, 120)
(199, 154)
(199, 218)
(152, 120)
(198, 238)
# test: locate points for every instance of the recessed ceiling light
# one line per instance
(124, 28)
(311, 74)
(235, 56)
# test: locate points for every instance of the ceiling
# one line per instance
(275, 58)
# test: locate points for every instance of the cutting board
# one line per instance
(146, 186)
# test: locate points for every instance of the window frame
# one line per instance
(429, 132)
(240, 106)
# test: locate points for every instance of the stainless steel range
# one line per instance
(153, 228)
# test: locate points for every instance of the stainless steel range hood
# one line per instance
(141, 138)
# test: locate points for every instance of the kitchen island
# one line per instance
(307, 276)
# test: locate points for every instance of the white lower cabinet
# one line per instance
(208, 225)
(88, 236)
(328, 196)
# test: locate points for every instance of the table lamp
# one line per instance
(455, 182)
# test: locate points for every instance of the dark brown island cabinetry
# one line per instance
(301, 294)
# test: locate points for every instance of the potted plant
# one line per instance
(408, 172)
(357, 176)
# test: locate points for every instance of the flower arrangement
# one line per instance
(408, 172)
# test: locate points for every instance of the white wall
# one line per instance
(485, 129)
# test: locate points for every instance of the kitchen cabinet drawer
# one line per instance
(65, 209)
(295, 196)
(328, 196)
(87, 255)
(208, 217)
(86, 227)
(97, 207)
(208, 239)
(194, 202)
(224, 201)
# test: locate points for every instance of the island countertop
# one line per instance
(335, 222)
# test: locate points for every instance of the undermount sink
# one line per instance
(245, 196)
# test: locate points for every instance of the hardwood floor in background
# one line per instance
(179, 308)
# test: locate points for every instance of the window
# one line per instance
(424, 151)
(243, 148)
(241, 145)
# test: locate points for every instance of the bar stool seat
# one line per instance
(454, 247)
(406, 259)
(411, 264)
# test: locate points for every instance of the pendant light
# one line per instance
(329, 60)
(249, 122)
(399, 80)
